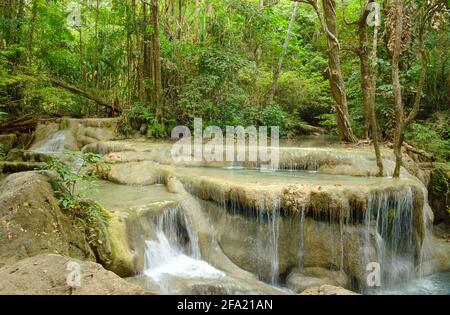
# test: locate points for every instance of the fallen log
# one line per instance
(89, 95)
(422, 153)
(19, 125)
(428, 156)
(306, 129)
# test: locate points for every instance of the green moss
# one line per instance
(64, 124)
(2, 152)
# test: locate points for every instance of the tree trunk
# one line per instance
(180, 19)
(277, 70)
(138, 60)
(368, 83)
(31, 33)
(197, 20)
(371, 110)
(402, 121)
(148, 60)
(398, 103)
(363, 55)
(129, 57)
(157, 61)
(89, 95)
(335, 73)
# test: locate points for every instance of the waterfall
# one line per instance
(274, 219)
(175, 252)
(389, 230)
(52, 144)
(301, 247)
(426, 250)
(267, 245)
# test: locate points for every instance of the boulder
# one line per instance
(328, 290)
(133, 173)
(72, 134)
(439, 192)
(298, 282)
(315, 277)
(32, 223)
(48, 274)
(27, 156)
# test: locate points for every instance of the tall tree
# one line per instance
(147, 54)
(197, 20)
(34, 10)
(397, 44)
(180, 19)
(277, 70)
(371, 103)
(329, 25)
(368, 75)
(158, 98)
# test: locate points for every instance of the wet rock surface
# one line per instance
(310, 228)
(72, 134)
(327, 290)
(32, 223)
(48, 274)
(262, 211)
(300, 280)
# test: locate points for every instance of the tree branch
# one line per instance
(86, 94)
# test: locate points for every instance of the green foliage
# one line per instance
(274, 115)
(221, 71)
(328, 122)
(432, 136)
(139, 117)
(306, 96)
(67, 177)
(87, 214)
(440, 182)
(92, 218)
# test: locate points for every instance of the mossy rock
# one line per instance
(8, 141)
(32, 223)
(439, 192)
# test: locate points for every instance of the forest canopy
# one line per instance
(296, 65)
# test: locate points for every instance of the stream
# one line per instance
(233, 229)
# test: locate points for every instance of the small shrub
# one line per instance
(274, 115)
(139, 117)
(87, 215)
(328, 122)
(431, 136)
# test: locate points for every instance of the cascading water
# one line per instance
(301, 247)
(175, 252)
(274, 235)
(53, 144)
(426, 250)
(271, 217)
(389, 229)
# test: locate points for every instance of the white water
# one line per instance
(163, 259)
(436, 284)
(301, 247)
(175, 253)
(268, 244)
(390, 216)
(53, 144)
